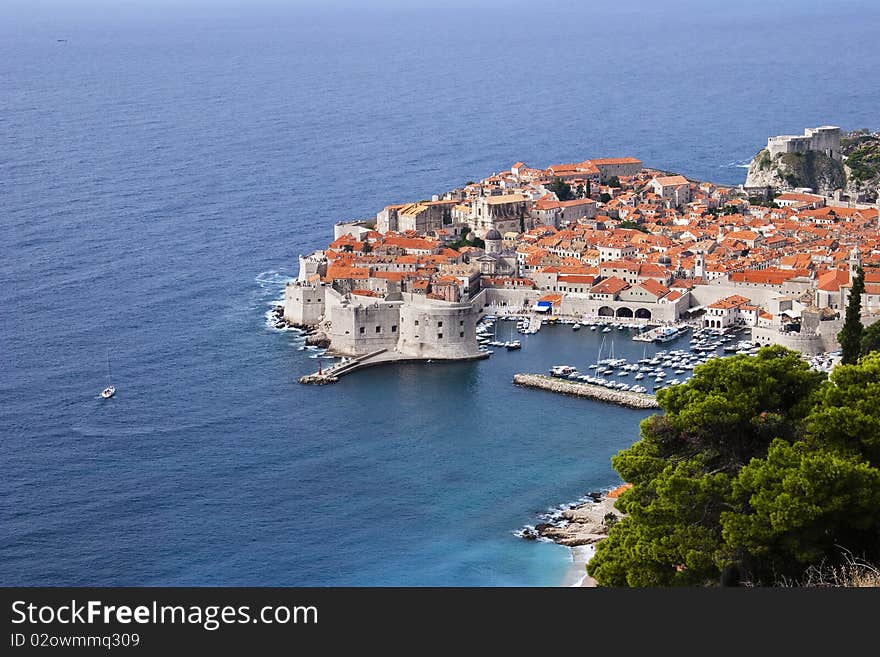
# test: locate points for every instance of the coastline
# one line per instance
(580, 527)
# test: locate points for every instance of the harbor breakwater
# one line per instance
(622, 398)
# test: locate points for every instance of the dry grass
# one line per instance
(852, 573)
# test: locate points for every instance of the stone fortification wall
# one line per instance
(824, 139)
(357, 329)
(304, 305)
(438, 329)
(704, 295)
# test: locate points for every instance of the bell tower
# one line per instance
(699, 265)
(855, 263)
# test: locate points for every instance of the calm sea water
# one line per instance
(161, 169)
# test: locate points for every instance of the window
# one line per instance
(439, 336)
(362, 329)
(378, 329)
(394, 328)
(461, 334)
(417, 322)
(461, 323)
(440, 324)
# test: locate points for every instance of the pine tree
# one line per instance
(850, 337)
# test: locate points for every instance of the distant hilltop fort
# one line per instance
(824, 139)
(823, 160)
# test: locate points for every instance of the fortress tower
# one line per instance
(824, 139)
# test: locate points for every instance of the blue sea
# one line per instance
(163, 164)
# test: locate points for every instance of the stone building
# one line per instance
(503, 212)
(617, 166)
(410, 325)
(824, 139)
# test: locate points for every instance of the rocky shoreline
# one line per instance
(315, 336)
(584, 523)
(580, 525)
(628, 399)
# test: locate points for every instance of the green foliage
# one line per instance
(604, 197)
(629, 223)
(463, 241)
(699, 472)
(797, 504)
(850, 336)
(366, 247)
(806, 499)
(870, 339)
(613, 181)
(847, 415)
(864, 161)
(766, 203)
(561, 188)
(763, 159)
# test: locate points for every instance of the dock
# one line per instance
(635, 400)
(348, 365)
(661, 333)
(335, 371)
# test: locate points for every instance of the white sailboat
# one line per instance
(110, 390)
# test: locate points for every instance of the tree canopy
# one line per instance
(561, 188)
(759, 465)
(870, 339)
(850, 336)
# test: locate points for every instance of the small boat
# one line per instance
(592, 327)
(110, 390)
(607, 329)
(576, 327)
(513, 345)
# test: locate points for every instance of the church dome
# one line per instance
(493, 234)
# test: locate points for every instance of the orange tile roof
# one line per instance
(730, 302)
(615, 160)
(611, 285)
(833, 280)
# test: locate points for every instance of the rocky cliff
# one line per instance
(858, 175)
(786, 171)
